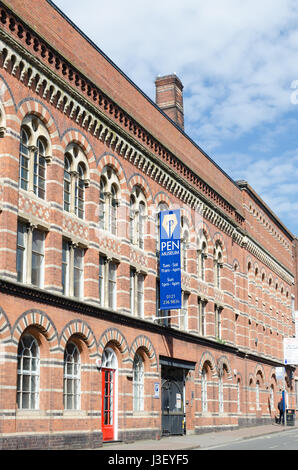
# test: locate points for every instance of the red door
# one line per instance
(108, 405)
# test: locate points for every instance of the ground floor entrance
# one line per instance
(173, 412)
(109, 395)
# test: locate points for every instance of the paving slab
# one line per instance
(196, 441)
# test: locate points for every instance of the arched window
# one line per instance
(24, 160)
(113, 204)
(257, 395)
(109, 359)
(238, 397)
(28, 373)
(220, 394)
(184, 242)
(102, 198)
(137, 217)
(109, 196)
(184, 246)
(141, 223)
(39, 175)
(138, 383)
(217, 265)
(34, 155)
(71, 377)
(67, 184)
(76, 179)
(80, 192)
(204, 390)
(202, 255)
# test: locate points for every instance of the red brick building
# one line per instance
(87, 162)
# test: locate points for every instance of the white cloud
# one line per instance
(236, 59)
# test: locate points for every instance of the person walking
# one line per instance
(281, 412)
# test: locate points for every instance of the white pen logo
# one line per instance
(169, 223)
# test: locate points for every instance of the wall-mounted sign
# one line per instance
(291, 351)
(156, 390)
(170, 262)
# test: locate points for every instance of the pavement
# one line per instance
(197, 441)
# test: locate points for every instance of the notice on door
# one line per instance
(178, 401)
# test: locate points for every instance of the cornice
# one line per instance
(167, 172)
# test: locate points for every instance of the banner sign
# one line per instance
(170, 262)
(291, 351)
(280, 373)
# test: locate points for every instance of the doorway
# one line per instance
(109, 395)
(173, 401)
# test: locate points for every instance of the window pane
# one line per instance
(65, 266)
(78, 272)
(37, 258)
(132, 291)
(67, 184)
(101, 280)
(24, 161)
(28, 373)
(71, 377)
(112, 285)
(21, 246)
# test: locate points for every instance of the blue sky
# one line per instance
(238, 62)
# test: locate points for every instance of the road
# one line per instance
(287, 440)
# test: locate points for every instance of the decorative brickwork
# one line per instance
(79, 256)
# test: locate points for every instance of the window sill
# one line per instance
(74, 413)
(25, 413)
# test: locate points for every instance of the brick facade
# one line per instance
(129, 153)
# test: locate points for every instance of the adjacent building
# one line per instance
(87, 163)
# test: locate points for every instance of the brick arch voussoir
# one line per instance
(207, 357)
(39, 319)
(81, 329)
(139, 180)
(259, 369)
(5, 327)
(224, 362)
(108, 159)
(113, 335)
(37, 108)
(77, 137)
(8, 105)
(219, 238)
(204, 231)
(144, 343)
(162, 197)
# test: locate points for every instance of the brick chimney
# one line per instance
(169, 97)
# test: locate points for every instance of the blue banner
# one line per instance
(170, 261)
